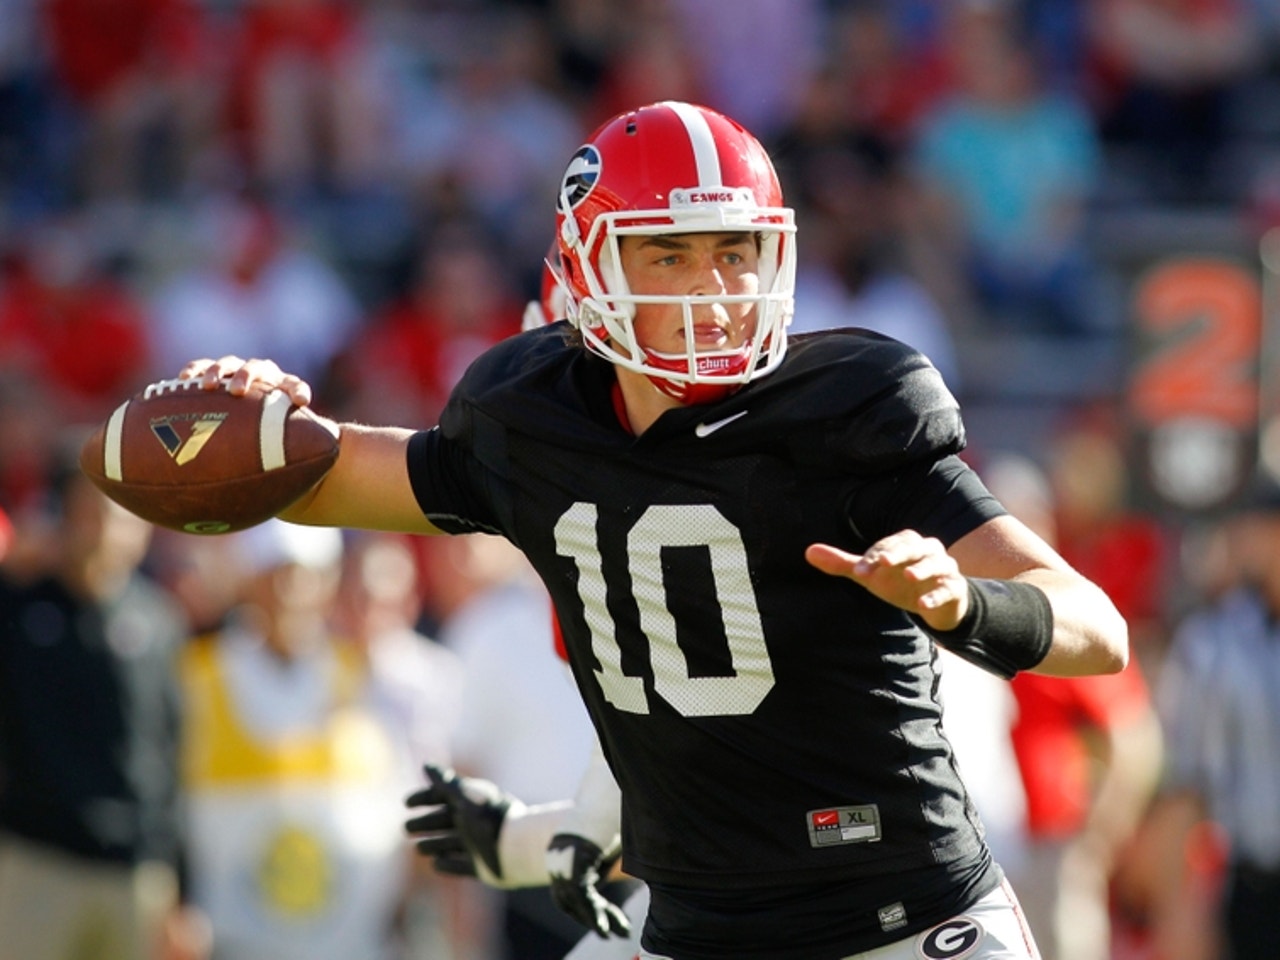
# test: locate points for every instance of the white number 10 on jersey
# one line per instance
(700, 525)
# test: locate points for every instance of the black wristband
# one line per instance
(1008, 627)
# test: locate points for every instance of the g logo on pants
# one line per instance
(951, 940)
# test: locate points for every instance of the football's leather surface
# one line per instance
(205, 461)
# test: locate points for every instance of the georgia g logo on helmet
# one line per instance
(580, 176)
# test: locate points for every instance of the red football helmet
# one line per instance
(671, 168)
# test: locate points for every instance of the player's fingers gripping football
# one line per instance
(911, 572)
(210, 371)
(242, 374)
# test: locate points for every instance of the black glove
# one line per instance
(578, 867)
(463, 823)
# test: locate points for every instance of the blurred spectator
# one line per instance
(598, 52)
(306, 106)
(33, 177)
(416, 684)
(89, 730)
(882, 83)
(1123, 550)
(69, 322)
(1089, 752)
(649, 57)
(29, 421)
(1007, 170)
(198, 572)
(522, 724)
(485, 138)
(857, 272)
(1219, 696)
(1163, 76)
(1059, 30)
(1167, 891)
(415, 681)
(1266, 19)
(294, 776)
(409, 355)
(755, 64)
(1055, 30)
(252, 289)
(138, 73)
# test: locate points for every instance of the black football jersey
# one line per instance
(769, 725)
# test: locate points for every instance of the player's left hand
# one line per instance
(912, 572)
(577, 867)
(460, 827)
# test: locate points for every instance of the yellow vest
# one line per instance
(218, 750)
(296, 845)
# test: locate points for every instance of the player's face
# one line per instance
(693, 264)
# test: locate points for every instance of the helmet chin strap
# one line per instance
(701, 391)
(694, 394)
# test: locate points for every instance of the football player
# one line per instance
(753, 548)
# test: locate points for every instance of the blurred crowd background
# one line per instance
(1066, 204)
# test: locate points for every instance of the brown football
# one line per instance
(205, 461)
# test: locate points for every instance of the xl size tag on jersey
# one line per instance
(832, 826)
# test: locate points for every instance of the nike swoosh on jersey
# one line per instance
(706, 429)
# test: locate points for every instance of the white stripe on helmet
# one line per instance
(703, 141)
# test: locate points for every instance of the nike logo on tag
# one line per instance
(706, 429)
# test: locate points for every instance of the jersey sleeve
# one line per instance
(941, 498)
(452, 487)
(876, 410)
(884, 405)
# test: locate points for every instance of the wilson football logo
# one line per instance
(198, 428)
